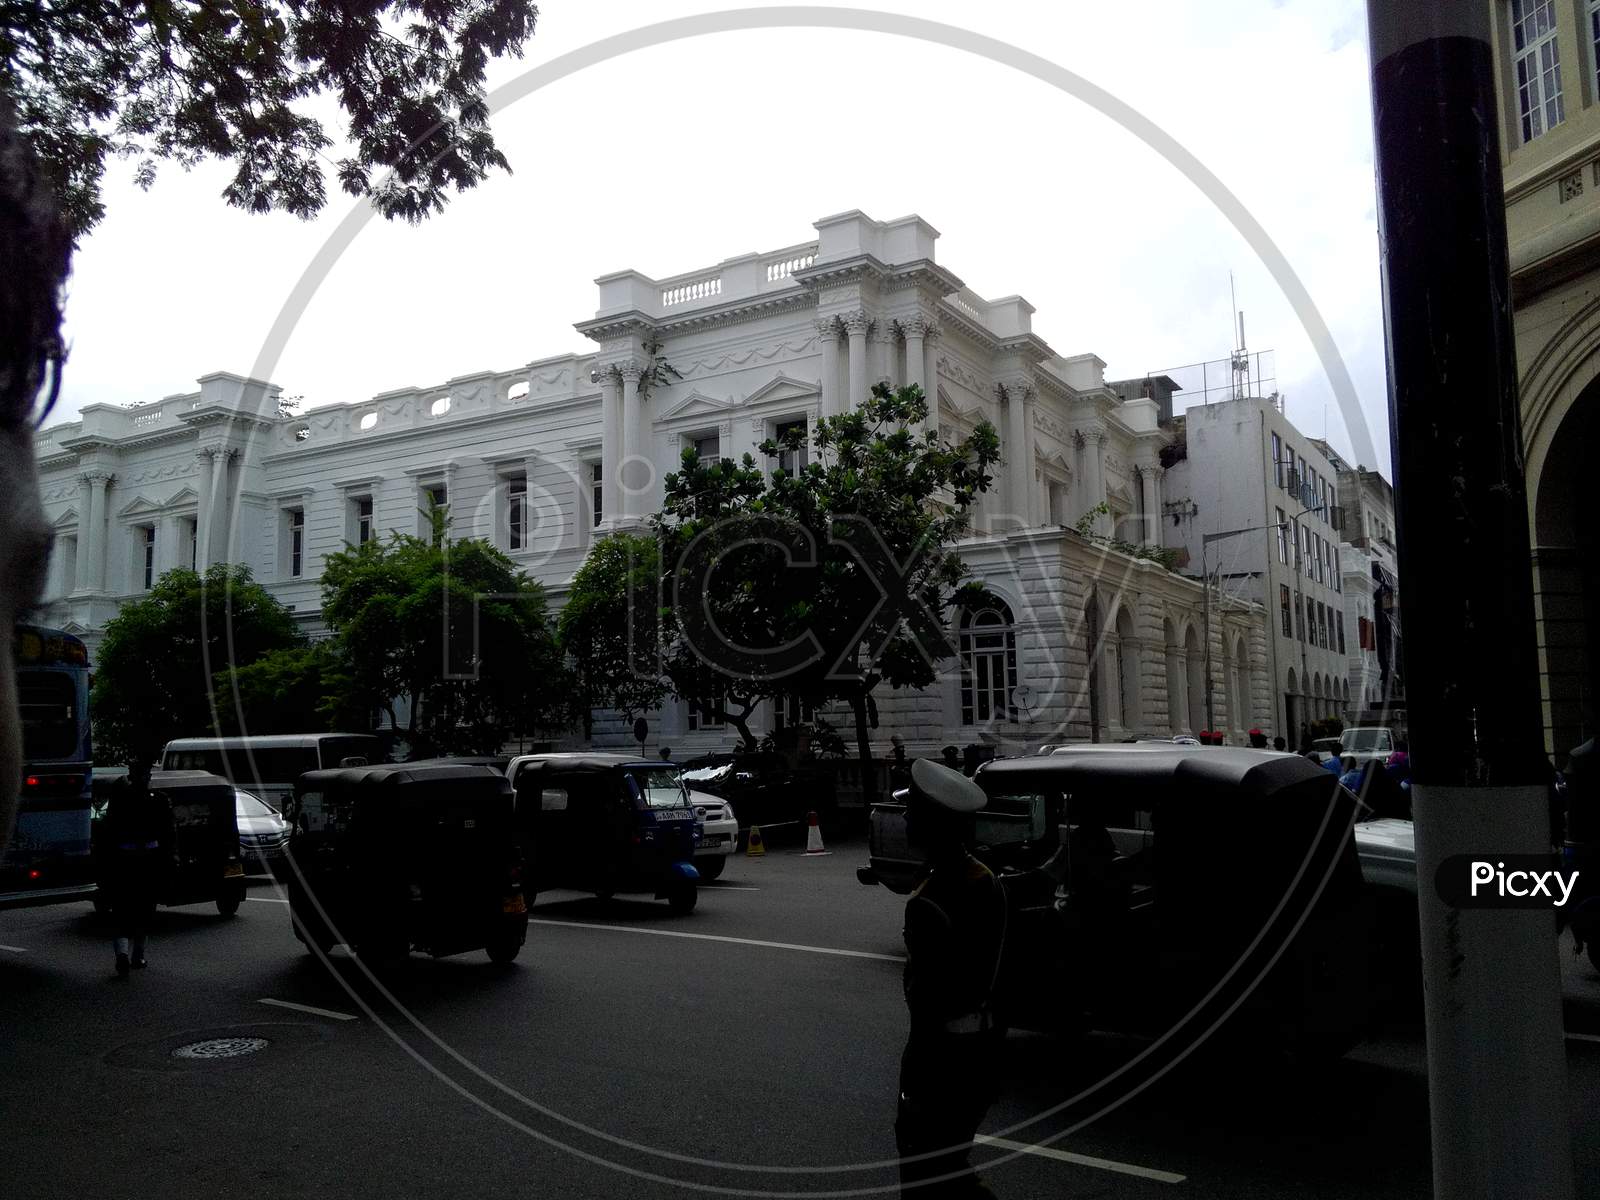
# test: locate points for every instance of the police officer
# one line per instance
(139, 847)
(954, 932)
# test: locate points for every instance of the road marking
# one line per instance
(316, 1012)
(1081, 1160)
(713, 937)
(267, 899)
(1577, 1037)
(15, 949)
(728, 887)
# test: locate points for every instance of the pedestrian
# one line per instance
(1258, 740)
(952, 757)
(1279, 744)
(899, 769)
(955, 925)
(666, 754)
(139, 846)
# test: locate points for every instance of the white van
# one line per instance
(268, 765)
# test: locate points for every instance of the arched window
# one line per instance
(988, 664)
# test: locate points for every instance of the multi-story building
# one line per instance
(1240, 469)
(1371, 585)
(1547, 58)
(1082, 640)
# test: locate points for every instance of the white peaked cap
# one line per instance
(947, 788)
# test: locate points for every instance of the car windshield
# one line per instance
(715, 773)
(252, 806)
(660, 786)
(1366, 739)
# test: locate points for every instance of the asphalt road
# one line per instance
(749, 1048)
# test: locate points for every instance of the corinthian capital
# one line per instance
(97, 475)
(828, 328)
(856, 322)
(630, 371)
(603, 373)
(1016, 388)
(914, 326)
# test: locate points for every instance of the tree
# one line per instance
(164, 666)
(164, 80)
(301, 689)
(607, 627)
(451, 633)
(824, 583)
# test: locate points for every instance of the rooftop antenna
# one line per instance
(1241, 357)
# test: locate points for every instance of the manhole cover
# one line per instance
(231, 1047)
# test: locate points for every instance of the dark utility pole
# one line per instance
(1496, 1055)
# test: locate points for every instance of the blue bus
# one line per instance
(48, 858)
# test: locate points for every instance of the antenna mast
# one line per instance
(1241, 357)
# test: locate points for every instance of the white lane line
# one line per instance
(266, 899)
(727, 887)
(316, 1012)
(1577, 1037)
(713, 937)
(15, 949)
(1082, 1160)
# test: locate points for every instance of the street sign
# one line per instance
(641, 730)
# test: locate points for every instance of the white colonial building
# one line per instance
(1087, 642)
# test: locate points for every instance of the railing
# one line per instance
(142, 420)
(955, 298)
(784, 268)
(699, 289)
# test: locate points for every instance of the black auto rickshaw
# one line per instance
(608, 823)
(404, 857)
(1163, 887)
(205, 863)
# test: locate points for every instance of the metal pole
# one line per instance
(1300, 611)
(1496, 1054)
(1205, 593)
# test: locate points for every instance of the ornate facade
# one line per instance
(1089, 642)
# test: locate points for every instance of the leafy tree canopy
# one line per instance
(452, 633)
(607, 627)
(158, 80)
(300, 689)
(154, 678)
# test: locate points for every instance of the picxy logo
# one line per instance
(1505, 881)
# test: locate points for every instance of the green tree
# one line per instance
(822, 584)
(607, 627)
(300, 689)
(154, 679)
(453, 633)
(154, 80)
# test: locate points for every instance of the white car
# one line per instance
(716, 833)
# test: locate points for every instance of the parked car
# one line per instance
(269, 764)
(763, 788)
(716, 834)
(263, 833)
(1362, 743)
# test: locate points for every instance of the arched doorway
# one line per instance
(1177, 686)
(1240, 713)
(1127, 676)
(1197, 679)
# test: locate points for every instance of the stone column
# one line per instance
(856, 325)
(202, 509)
(828, 338)
(217, 522)
(885, 344)
(1019, 451)
(610, 446)
(633, 477)
(1150, 483)
(80, 568)
(913, 328)
(1096, 446)
(930, 371)
(98, 482)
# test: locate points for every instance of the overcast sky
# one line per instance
(676, 157)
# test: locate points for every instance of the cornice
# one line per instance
(950, 315)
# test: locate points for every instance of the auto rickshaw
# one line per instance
(607, 823)
(1154, 888)
(205, 824)
(404, 857)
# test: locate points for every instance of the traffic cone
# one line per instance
(756, 847)
(813, 835)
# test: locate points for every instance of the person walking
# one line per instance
(955, 924)
(139, 846)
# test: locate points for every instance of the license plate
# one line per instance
(708, 843)
(514, 904)
(232, 869)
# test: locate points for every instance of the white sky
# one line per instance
(677, 157)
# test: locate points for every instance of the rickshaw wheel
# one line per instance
(712, 868)
(228, 902)
(682, 898)
(504, 948)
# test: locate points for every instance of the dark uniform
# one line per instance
(954, 931)
(138, 846)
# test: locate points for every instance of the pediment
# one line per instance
(698, 404)
(184, 495)
(784, 387)
(947, 405)
(1053, 459)
(138, 506)
(70, 517)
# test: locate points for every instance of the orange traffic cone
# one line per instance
(756, 847)
(813, 835)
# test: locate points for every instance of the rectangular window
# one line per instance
(1341, 633)
(1292, 479)
(297, 541)
(147, 538)
(792, 461)
(435, 500)
(1299, 619)
(1322, 558)
(1322, 626)
(699, 721)
(1305, 554)
(363, 520)
(1283, 603)
(1537, 64)
(1283, 537)
(1338, 572)
(517, 514)
(597, 495)
(191, 539)
(708, 447)
(1277, 453)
